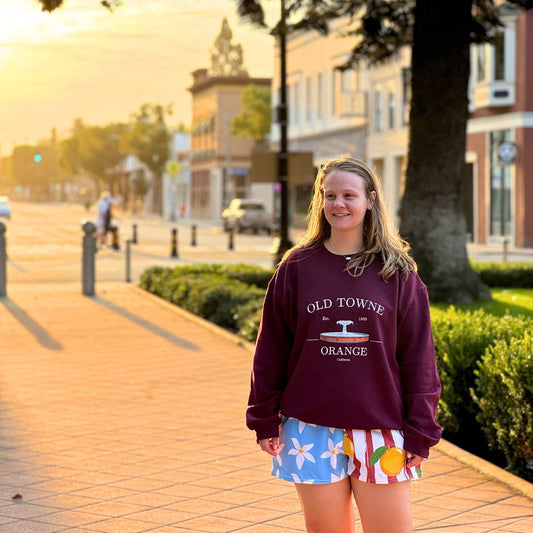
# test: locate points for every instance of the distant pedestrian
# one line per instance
(103, 220)
(344, 384)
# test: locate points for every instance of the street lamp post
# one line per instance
(284, 242)
(173, 168)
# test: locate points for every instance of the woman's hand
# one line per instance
(412, 460)
(269, 445)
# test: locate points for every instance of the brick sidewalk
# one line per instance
(120, 413)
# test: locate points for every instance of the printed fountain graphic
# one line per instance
(344, 336)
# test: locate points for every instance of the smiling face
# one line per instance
(345, 201)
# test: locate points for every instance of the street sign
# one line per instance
(173, 168)
(507, 152)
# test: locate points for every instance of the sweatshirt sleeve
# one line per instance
(418, 368)
(272, 351)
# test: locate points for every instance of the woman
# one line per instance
(344, 384)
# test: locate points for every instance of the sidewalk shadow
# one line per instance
(41, 335)
(150, 326)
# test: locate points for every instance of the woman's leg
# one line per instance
(327, 508)
(384, 508)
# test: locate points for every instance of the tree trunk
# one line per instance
(157, 193)
(432, 208)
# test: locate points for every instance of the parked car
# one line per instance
(245, 214)
(5, 209)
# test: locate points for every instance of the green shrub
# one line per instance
(213, 292)
(252, 275)
(248, 317)
(461, 339)
(154, 279)
(249, 274)
(504, 394)
(217, 300)
(516, 275)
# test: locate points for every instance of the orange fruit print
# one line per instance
(348, 445)
(391, 460)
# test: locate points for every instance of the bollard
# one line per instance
(231, 239)
(88, 255)
(3, 260)
(134, 239)
(174, 247)
(505, 250)
(128, 260)
(193, 235)
(114, 233)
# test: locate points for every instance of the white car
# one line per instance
(5, 209)
(243, 214)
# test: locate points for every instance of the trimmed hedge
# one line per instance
(504, 395)
(461, 338)
(222, 294)
(516, 275)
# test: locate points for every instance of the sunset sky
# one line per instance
(82, 61)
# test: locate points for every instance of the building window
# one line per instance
(334, 74)
(481, 73)
(200, 189)
(391, 108)
(351, 80)
(378, 111)
(406, 95)
(320, 95)
(292, 100)
(499, 57)
(308, 99)
(500, 187)
(296, 102)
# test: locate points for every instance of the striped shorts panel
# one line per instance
(377, 456)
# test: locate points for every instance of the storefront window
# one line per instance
(500, 187)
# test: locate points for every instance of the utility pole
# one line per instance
(284, 243)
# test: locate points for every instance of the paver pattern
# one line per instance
(121, 413)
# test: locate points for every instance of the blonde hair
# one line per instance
(379, 237)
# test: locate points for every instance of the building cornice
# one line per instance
(218, 81)
(499, 122)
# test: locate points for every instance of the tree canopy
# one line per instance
(95, 149)
(149, 139)
(379, 28)
(254, 121)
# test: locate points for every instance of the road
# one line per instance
(44, 243)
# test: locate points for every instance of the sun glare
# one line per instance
(83, 61)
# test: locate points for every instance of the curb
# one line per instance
(486, 468)
(248, 346)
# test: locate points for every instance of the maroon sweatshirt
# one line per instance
(345, 352)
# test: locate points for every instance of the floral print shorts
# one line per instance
(309, 453)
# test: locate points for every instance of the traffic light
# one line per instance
(37, 157)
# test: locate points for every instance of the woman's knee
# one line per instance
(327, 508)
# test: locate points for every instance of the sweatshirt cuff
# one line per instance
(418, 444)
(267, 432)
